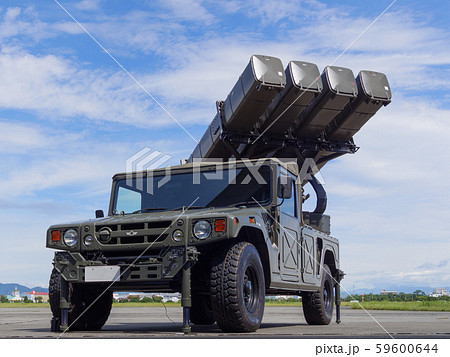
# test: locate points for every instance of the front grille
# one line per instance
(132, 240)
(135, 233)
(131, 226)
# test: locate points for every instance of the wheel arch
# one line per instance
(330, 260)
(256, 237)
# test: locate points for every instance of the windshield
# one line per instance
(217, 188)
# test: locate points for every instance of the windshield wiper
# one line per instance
(243, 203)
(149, 209)
(185, 208)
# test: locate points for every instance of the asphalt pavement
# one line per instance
(279, 322)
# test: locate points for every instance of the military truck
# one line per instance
(228, 226)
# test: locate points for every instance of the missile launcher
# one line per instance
(373, 93)
(339, 89)
(303, 84)
(253, 92)
(293, 112)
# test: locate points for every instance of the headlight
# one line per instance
(70, 237)
(202, 229)
(88, 240)
(177, 235)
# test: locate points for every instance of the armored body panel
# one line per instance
(339, 89)
(260, 82)
(303, 84)
(373, 93)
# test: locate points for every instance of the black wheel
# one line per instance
(318, 306)
(98, 313)
(54, 290)
(201, 310)
(81, 297)
(238, 289)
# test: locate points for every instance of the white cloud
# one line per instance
(68, 160)
(372, 263)
(22, 23)
(70, 28)
(188, 10)
(398, 44)
(55, 87)
(268, 11)
(88, 5)
(19, 138)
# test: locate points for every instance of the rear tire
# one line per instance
(238, 289)
(318, 306)
(81, 297)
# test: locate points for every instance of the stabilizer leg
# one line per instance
(64, 304)
(186, 301)
(339, 277)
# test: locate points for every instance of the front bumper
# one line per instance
(132, 269)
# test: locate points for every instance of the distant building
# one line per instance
(34, 296)
(15, 297)
(438, 292)
(384, 292)
(174, 297)
(282, 297)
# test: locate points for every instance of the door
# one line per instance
(308, 257)
(289, 242)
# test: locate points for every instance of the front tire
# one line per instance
(81, 297)
(318, 306)
(201, 310)
(238, 289)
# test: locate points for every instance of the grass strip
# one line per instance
(23, 305)
(402, 305)
(443, 306)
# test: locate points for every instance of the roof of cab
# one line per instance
(289, 165)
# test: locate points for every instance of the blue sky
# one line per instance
(70, 117)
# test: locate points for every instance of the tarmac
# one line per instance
(278, 322)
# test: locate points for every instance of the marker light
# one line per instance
(56, 236)
(219, 225)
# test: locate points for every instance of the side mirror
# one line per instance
(284, 187)
(99, 214)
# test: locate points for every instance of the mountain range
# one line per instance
(7, 289)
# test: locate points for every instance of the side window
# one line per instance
(289, 206)
(128, 200)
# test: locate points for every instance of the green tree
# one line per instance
(38, 299)
(26, 300)
(3, 298)
(134, 299)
